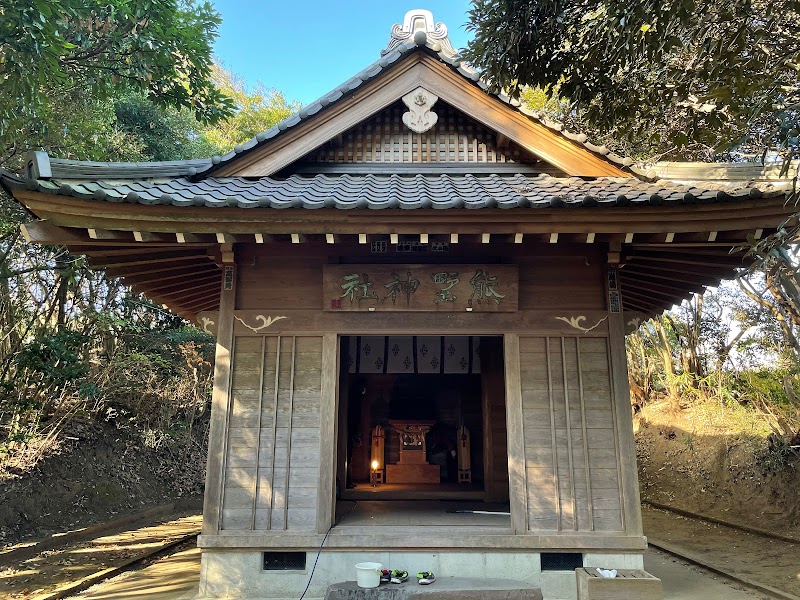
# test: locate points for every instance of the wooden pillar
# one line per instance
(329, 400)
(220, 397)
(623, 415)
(517, 477)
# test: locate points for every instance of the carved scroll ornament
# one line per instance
(575, 323)
(266, 322)
(419, 117)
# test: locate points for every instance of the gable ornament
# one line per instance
(419, 117)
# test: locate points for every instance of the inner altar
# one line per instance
(413, 466)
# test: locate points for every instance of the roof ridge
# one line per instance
(435, 40)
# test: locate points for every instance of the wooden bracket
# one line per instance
(614, 251)
(226, 252)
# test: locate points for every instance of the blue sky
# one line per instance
(306, 48)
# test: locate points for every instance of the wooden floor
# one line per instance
(414, 491)
(409, 513)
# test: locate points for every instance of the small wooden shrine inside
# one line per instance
(420, 292)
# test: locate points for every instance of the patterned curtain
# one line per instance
(413, 354)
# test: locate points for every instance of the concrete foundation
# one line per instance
(240, 576)
(448, 588)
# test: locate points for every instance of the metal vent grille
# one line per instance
(561, 561)
(284, 561)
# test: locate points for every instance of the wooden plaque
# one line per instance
(431, 288)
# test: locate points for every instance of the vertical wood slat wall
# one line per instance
(571, 458)
(454, 138)
(273, 436)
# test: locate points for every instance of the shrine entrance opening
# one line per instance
(422, 418)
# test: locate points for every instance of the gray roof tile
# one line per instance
(395, 191)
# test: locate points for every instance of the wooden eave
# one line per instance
(106, 216)
(667, 253)
(415, 70)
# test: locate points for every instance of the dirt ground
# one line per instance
(54, 568)
(101, 471)
(768, 562)
(713, 460)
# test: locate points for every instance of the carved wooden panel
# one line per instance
(428, 288)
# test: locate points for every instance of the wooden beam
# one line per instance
(100, 251)
(186, 273)
(643, 280)
(731, 264)
(199, 306)
(665, 302)
(105, 234)
(683, 271)
(180, 295)
(149, 261)
(674, 251)
(517, 474)
(642, 306)
(220, 411)
(661, 276)
(651, 291)
(187, 283)
(124, 271)
(329, 410)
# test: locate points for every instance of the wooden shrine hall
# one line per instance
(420, 293)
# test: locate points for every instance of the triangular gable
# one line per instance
(455, 143)
(400, 72)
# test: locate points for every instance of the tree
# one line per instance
(160, 133)
(52, 51)
(719, 73)
(256, 110)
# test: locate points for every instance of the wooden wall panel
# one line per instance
(272, 468)
(571, 454)
(566, 282)
(288, 282)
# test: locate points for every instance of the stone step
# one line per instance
(444, 588)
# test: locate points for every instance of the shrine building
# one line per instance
(420, 293)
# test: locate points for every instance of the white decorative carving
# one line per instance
(206, 324)
(420, 20)
(419, 117)
(265, 322)
(575, 322)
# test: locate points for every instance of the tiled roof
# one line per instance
(443, 51)
(396, 191)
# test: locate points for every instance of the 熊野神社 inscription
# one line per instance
(434, 288)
